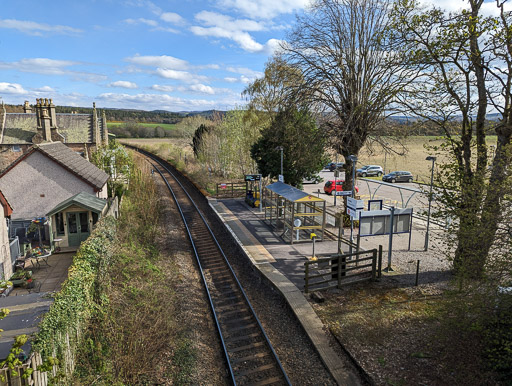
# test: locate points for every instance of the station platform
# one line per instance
(282, 264)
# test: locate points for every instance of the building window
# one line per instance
(94, 218)
(16, 148)
(59, 219)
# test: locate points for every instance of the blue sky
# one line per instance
(167, 54)
(174, 55)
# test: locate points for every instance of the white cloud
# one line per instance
(146, 4)
(44, 89)
(264, 9)
(231, 80)
(183, 76)
(37, 29)
(47, 66)
(123, 84)
(173, 18)
(163, 61)
(237, 30)
(12, 88)
(163, 88)
(203, 89)
(152, 23)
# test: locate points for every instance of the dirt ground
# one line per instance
(397, 332)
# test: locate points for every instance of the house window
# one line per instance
(59, 219)
(94, 218)
(16, 148)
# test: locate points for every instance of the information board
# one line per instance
(377, 222)
(252, 177)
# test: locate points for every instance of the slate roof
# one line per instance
(75, 128)
(74, 162)
(69, 160)
(84, 200)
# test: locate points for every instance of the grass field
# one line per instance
(165, 126)
(412, 160)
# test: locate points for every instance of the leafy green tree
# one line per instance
(225, 147)
(115, 160)
(468, 58)
(303, 147)
(198, 138)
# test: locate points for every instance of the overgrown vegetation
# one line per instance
(61, 330)
(134, 337)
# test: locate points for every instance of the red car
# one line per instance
(329, 186)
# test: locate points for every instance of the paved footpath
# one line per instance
(283, 265)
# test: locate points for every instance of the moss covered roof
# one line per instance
(75, 128)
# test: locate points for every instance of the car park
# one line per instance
(336, 166)
(329, 186)
(399, 176)
(370, 170)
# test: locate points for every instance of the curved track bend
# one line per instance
(250, 356)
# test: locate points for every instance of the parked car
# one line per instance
(329, 186)
(400, 176)
(336, 166)
(370, 170)
(316, 179)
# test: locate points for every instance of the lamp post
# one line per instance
(281, 149)
(353, 159)
(433, 159)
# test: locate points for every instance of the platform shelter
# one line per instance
(299, 214)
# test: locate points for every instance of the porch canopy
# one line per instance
(299, 212)
(72, 220)
(83, 200)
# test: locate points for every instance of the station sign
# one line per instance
(354, 213)
(252, 177)
(354, 204)
(343, 193)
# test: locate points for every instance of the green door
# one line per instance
(78, 228)
(84, 226)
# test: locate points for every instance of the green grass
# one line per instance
(165, 126)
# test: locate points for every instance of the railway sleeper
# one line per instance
(251, 358)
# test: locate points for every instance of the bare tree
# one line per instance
(348, 75)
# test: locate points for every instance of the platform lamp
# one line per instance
(353, 159)
(433, 159)
(281, 149)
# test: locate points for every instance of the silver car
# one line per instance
(370, 170)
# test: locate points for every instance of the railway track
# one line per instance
(250, 357)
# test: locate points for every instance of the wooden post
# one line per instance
(380, 261)
(374, 264)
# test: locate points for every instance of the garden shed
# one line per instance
(297, 212)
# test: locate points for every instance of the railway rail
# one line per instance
(250, 357)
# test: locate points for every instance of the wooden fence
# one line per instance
(37, 378)
(339, 270)
(230, 190)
